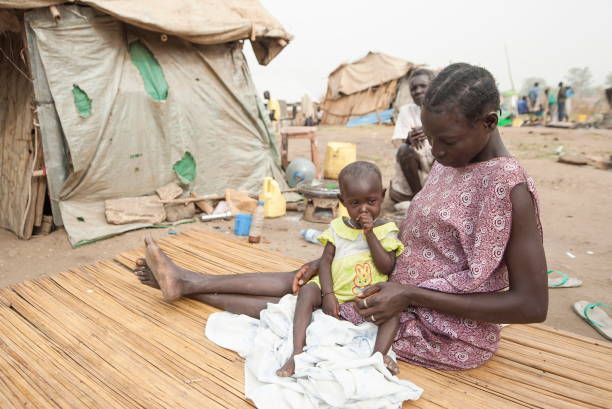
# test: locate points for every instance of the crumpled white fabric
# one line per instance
(336, 369)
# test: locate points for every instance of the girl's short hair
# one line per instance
(470, 88)
(361, 170)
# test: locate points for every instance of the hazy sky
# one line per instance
(544, 38)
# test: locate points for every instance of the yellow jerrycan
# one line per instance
(337, 156)
(342, 212)
(275, 204)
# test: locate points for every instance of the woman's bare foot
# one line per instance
(144, 274)
(168, 275)
(288, 369)
(391, 365)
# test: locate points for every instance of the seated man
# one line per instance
(413, 158)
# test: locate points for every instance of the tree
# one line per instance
(579, 79)
(528, 83)
(609, 81)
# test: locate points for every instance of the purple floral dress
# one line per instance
(455, 235)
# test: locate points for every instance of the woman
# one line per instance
(471, 232)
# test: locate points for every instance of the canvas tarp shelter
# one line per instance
(198, 21)
(362, 87)
(130, 138)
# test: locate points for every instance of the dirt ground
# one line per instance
(575, 212)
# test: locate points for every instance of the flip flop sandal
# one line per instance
(563, 281)
(595, 316)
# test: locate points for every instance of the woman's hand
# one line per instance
(383, 301)
(331, 306)
(304, 274)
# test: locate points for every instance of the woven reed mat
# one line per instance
(93, 337)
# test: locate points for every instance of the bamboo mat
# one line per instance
(93, 337)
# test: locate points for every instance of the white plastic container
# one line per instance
(257, 224)
(311, 235)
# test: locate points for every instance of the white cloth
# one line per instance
(409, 117)
(336, 369)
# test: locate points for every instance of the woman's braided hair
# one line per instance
(470, 88)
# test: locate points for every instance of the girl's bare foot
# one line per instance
(288, 369)
(391, 365)
(168, 275)
(144, 274)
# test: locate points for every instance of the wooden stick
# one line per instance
(187, 200)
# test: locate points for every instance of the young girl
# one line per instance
(359, 252)
(471, 232)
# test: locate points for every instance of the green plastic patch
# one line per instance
(81, 101)
(185, 168)
(151, 72)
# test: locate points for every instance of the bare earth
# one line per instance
(575, 212)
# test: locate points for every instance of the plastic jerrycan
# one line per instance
(275, 203)
(337, 156)
(342, 212)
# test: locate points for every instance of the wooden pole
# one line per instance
(55, 13)
(509, 68)
(187, 200)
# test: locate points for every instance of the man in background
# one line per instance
(413, 158)
(561, 98)
(533, 95)
(273, 108)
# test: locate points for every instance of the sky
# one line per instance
(543, 38)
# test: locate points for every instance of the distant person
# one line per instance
(552, 104)
(293, 111)
(569, 95)
(413, 158)
(319, 114)
(533, 95)
(308, 110)
(542, 112)
(522, 106)
(561, 98)
(273, 110)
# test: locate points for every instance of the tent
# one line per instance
(374, 83)
(110, 99)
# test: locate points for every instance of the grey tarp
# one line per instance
(129, 143)
(199, 21)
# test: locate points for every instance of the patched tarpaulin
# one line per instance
(125, 132)
(198, 21)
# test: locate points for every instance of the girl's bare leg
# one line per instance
(384, 340)
(309, 298)
(175, 282)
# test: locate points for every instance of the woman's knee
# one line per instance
(402, 151)
(405, 152)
